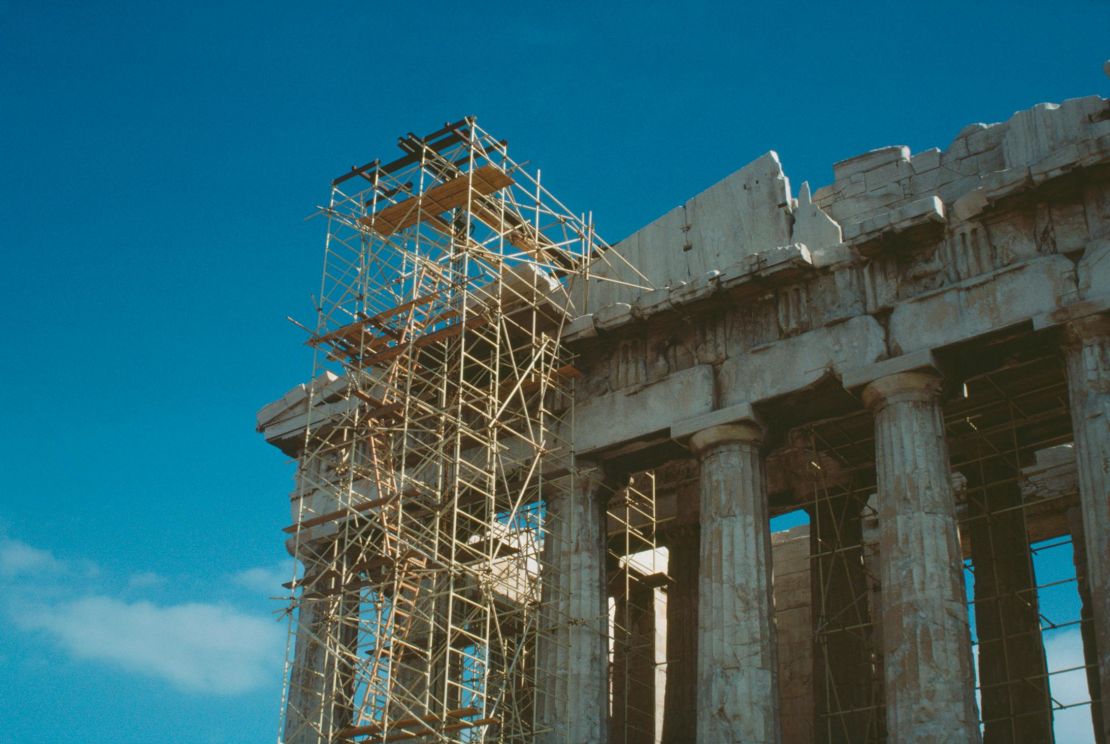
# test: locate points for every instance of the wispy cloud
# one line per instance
(264, 580)
(146, 580)
(196, 647)
(18, 559)
(1064, 650)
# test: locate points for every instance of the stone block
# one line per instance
(970, 204)
(1072, 311)
(858, 377)
(884, 193)
(795, 363)
(965, 166)
(926, 161)
(326, 386)
(929, 181)
(653, 301)
(990, 161)
(745, 213)
(698, 289)
(1093, 270)
(853, 210)
(812, 226)
(954, 189)
(1055, 164)
(870, 161)
(833, 255)
(739, 273)
(740, 412)
(612, 316)
(1035, 133)
(610, 420)
(989, 137)
(884, 174)
(791, 590)
(987, 302)
(1005, 182)
(784, 260)
(580, 328)
(287, 434)
(1095, 151)
(916, 213)
(957, 150)
(826, 194)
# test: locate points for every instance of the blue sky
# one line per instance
(156, 164)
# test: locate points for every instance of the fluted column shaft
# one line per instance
(320, 682)
(1087, 628)
(573, 652)
(680, 708)
(737, 657)
(1088, 366)
(307, 711)
(927, 647)
(633, 720)
(842, 673)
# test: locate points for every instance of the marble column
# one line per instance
(928, 680)
(305, 716)
(737, 656)
(1087, 351)
(633, 720)
(572, 698)
(320, 696)
(680, 707)
(842, 671)
(1013, 678)
(1086, 622)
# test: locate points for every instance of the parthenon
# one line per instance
(827, 465)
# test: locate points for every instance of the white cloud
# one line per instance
(1064, 650)
(264, 580)
(145, 580)
(20, 559)
(196, 647)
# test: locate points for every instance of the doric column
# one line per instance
(737, 656)
(1086, 621)
(842, 671)
(309, 686)
(927, 647)
(573, 655)
(1088, 365)
(680, 709)
(633, 720)
(320, 694)
(1013, 678)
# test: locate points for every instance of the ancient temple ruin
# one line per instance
(828, 466)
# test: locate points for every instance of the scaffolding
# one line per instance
(438, 427)
(1009, 434)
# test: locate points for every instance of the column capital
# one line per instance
(735, 423)
(909, 386)
(748, 432)
(598, 478)
(919, 361)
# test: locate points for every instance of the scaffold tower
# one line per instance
(438, 426)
